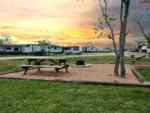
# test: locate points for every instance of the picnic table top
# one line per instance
(32, 57)
(46, 58)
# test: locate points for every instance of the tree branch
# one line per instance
(105, 15)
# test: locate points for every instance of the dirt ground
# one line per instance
(93, 73)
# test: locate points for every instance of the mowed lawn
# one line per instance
(10, 65)
(145, 73)
(19, 96)
(25, 96)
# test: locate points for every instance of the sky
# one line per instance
(64, 22)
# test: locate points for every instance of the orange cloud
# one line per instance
(60, 21)
(31, 20)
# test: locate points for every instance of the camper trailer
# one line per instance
(1, 49)
(31, 49)
(54, 49)
(26, 49)
(73, 50)
(13, 49)
(90, 49)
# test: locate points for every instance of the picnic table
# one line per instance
(134, 59)
(45, 62)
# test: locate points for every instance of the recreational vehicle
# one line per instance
(13, 49)
(90, 49)
(31, 49)
(54, 49)
(1, 49)
(73, 50)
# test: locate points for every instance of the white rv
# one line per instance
(1, 48)
(29, 48)
(73, 50)
(54, 49)
(90, 48)
(11, 48)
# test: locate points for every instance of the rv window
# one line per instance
(8, 48)
(16, 49)
(76, 48)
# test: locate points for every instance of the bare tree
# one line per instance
(44, 42)
(1, 41)
(146, 35)
(108, 19)
(5, 39)
(119, 68)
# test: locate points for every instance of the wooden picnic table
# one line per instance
(134, 59)
(45, 62)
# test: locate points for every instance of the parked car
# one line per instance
(143, 49)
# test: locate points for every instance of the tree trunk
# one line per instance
(119, 68)
(122, 62)
(116, 68)
(123, 20)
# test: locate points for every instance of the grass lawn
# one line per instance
(145, 73)
(55, 97)
(10, 65)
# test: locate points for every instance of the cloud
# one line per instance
(62, 21)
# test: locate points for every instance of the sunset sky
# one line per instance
(65, 22)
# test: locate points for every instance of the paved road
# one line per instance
(68, 56)
(62, 56)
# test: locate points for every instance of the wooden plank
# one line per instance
(46, 58)
(44, 66)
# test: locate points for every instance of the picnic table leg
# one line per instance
(56, 71)
(39, 69)
(25, 71)
(66, 68)
(62, 62)
(132, 59)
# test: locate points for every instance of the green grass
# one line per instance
(145, 73)
(93, 60)
(11, 65)
(106, 60)
(55, 97)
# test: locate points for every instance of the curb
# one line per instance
(85, 82)
(137, 74)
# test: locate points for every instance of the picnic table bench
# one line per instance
(134, 59)
(36, 63)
